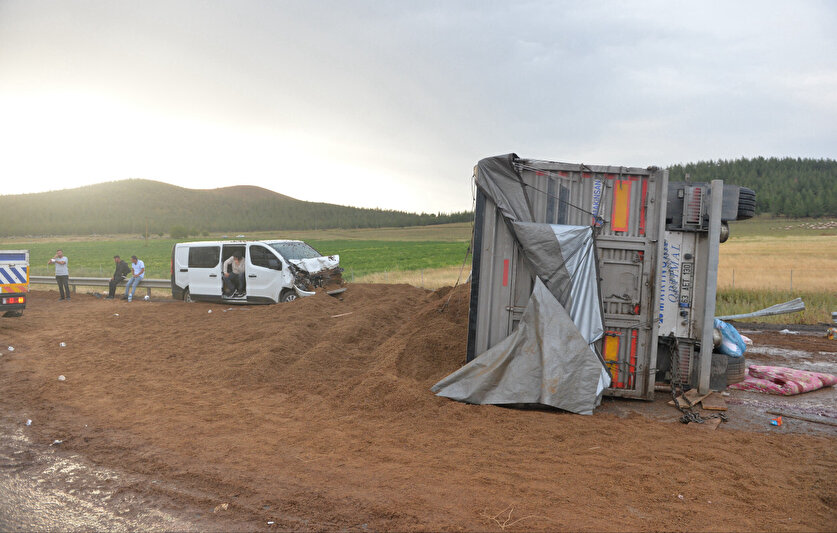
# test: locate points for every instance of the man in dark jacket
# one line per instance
(122, 270)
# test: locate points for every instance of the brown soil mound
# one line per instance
(317, 415)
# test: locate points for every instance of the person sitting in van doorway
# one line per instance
(234, 281)
(122, 270)
(139, 271)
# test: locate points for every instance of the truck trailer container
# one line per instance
(656, 248)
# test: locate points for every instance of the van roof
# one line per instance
(234, 241)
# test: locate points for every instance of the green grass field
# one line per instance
(360, 253)
(753, 274)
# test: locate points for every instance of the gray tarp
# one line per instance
(576, 262)
(545, 360)
(497, 179)
(548, 359)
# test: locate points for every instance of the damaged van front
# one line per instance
(310, 269)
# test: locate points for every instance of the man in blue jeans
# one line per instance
(138, 268)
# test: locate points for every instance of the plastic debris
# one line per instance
(747, 340)
(680, 496)
(62, 344)
(56, 442)
(116, 314)
(11, 348)
(270, 522)
(209, 311)
(830, 334)
(731, 342)
(793, 306)
(789, 332)
(146, 298)
(29, 422)
(776, 421)
(62, 378)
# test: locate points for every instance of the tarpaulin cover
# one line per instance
(545, 360)
(548, 359)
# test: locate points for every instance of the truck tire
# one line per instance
(736, 369)
(746, 203)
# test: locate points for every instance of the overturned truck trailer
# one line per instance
(655, 249)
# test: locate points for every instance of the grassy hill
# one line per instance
(127, 206)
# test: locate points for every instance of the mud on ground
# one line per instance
(316, 415)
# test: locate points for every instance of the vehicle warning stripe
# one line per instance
(632, 376)
(621, 205)
(6, 276)
(611, 356)
(643, 200)
(13, 274)
(505, 272)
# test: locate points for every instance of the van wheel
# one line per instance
(187, 296)
(288, 296)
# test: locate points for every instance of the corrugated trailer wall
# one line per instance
(629, 208)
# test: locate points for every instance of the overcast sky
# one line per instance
(390, 104)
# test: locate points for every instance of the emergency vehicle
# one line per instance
(14, 281)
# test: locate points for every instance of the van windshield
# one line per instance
(295, 250)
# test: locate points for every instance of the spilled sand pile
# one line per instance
(317, 415)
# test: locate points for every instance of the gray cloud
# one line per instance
(421, 91)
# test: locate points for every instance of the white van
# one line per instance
(275, 271)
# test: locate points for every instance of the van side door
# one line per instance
(266, 273)
(205, 270)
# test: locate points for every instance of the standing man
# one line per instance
(62, 274)
(122, 270)
(139, 271)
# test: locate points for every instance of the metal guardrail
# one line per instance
(146, 283)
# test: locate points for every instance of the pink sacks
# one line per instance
(784, 381)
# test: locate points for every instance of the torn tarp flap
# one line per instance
(578, 248)
(541, 247)
(565, 258)
(498, 179)
(546, 360)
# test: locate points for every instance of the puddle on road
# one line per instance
(799, 359)
(43, 489)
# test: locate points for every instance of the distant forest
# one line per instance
(127, 206)
(790, 187)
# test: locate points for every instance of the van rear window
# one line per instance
(295, 250)
(204, 256)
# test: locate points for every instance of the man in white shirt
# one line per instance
(234, 281)
(138, 268)
(62, 274)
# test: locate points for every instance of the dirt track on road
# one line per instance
(317, 415)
